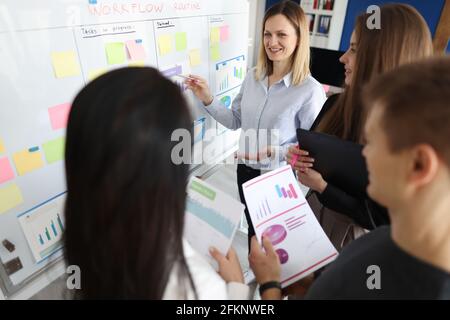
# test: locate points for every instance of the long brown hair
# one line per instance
(301, 56)
(404, 37)
(126, 198)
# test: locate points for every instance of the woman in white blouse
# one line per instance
(278, 96)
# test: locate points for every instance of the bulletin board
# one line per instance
(50, 50)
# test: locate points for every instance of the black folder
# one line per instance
(340, 162)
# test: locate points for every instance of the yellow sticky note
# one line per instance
(65, 64)
(215, 52)
(95, 73)
(28, 160)
(214, 35)
(137, 64)
(195, 57)
(2, 146)
(10, 197)
(165, 44)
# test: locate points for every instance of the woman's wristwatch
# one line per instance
(269, 285)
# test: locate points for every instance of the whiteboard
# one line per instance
(50, 50)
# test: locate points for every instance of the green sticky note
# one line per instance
(115, 52)
(54, 150)
(180, 41)
(215, 52)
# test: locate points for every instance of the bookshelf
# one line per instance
(326, 21)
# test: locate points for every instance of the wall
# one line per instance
(431, 11)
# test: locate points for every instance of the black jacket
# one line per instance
(363, 210)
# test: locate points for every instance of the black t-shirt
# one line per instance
(402, 276)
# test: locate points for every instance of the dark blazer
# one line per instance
(363, 210)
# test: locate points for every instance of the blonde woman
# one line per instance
(279, 94)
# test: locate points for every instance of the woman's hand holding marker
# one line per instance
(200, 88)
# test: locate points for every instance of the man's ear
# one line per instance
(425, 165)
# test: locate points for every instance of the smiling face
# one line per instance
(349, 60)
(280, 38)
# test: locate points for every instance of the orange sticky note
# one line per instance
(195, 58)
(28, 160)
(2, 146)
(6, 171)
(59, 115)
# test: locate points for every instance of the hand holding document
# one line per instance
(280, 212)
(211, 219)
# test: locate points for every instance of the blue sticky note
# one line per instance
(92, 1)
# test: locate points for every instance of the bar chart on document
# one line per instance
(212, 218)
(43, 228)
(279, 211)
(230, 74)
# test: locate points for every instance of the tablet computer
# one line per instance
(340, 162)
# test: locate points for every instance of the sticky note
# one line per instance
(54, 150)
(28, 160)
(195, 57)
(10, 197)
(136, 50)
(95, 73)
(214, 35)
(215, 53)
(224, 33)
(65, 64)
(115, 53)
(6, 171)
(59, 115)
(136, 64)
(165, 44)
(180, 41)
(2, 147)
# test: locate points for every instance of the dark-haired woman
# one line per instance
(126, 197)
(403, 38)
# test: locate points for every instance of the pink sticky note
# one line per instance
(59, 115)
(326, 87)
(6, 171)
(224, 33)
(135, 49)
